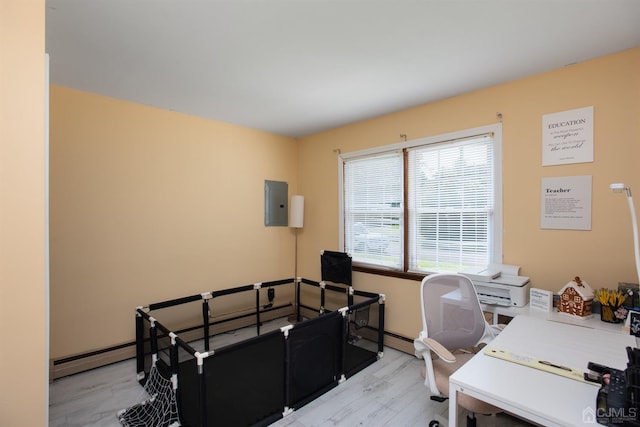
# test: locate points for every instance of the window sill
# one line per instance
(389, 273)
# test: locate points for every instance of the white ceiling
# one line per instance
(296, 67)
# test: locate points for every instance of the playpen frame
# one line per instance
(295, 385)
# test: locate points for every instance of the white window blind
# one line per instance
(451, 219)
(451, 204)
(373, 209)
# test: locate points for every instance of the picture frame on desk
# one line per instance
(541, 299)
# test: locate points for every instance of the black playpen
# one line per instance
(332, 332)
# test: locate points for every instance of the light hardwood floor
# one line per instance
(389, 392)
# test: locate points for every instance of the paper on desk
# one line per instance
(562, 343)
(512, 270)
(493, 271)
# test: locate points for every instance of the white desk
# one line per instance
(592, 322)
(539, 396)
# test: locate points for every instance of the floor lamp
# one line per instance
(619, 188)
(296, 220)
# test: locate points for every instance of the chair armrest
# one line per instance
(439, 349)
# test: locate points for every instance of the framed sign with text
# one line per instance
(541, 299)
(566, 203)
(567, 137)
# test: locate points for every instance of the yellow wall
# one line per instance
(133, 224)
(23, 283)
(149, 205)
(602, 257)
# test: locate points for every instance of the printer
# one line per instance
(500, 284)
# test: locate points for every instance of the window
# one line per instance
(429, 205)
(373, 209)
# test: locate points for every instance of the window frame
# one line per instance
(497, 220)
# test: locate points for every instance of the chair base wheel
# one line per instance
(434, 423)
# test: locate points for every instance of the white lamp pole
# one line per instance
(618, 188)
(296, 220)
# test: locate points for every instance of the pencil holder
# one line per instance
(611, 309)
(608, 314)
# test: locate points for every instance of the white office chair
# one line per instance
(452, 320)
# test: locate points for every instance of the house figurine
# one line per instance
(576, 299)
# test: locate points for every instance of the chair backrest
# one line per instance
(451, 312)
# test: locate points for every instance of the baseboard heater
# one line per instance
(77, 363)
(59, 368)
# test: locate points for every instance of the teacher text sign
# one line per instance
(566, 203)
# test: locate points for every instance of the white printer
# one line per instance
(500, 284)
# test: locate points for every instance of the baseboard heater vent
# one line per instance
(77, 363)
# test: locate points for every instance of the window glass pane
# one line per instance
(450, 205)
(373, 191)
